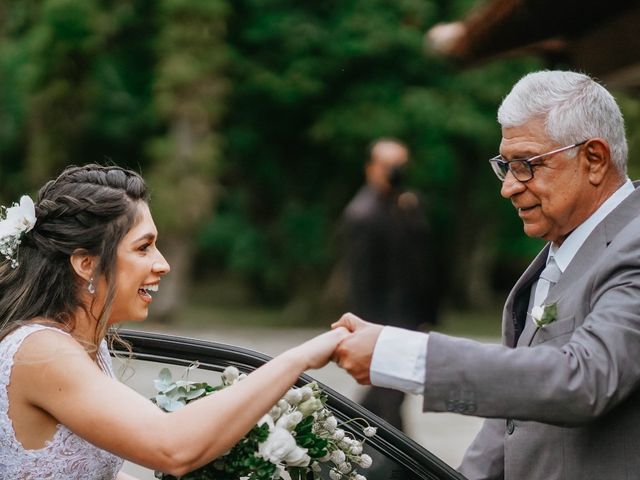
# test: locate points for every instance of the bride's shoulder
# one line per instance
(38, 342)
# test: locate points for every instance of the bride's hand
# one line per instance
(317, 352)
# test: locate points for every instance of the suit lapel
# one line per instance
(515, 311)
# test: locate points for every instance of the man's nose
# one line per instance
(510, 186)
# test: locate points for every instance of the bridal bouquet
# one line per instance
(298, 437)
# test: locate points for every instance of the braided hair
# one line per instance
(86, 210)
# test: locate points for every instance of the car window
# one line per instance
(395, 456)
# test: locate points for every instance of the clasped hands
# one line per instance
(354, 352)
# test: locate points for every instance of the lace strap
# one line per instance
(8, 348)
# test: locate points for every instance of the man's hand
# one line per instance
(355, 351)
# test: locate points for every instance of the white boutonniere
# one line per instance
(544, 314)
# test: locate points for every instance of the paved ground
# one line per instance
(445, 435)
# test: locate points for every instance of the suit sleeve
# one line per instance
(568, 385)
(484, 459)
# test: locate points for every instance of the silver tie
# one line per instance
(548, 278)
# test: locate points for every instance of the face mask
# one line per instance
(396, 176)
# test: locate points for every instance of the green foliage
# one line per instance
(313, 86)
(267, 107)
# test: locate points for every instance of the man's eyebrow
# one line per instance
(522, 155)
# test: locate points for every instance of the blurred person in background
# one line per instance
(388, 257)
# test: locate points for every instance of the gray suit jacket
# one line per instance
(562, 403)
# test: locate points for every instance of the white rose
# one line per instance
(293, 396)
(278, 445)
(22, 216)
(275, 412)
(307, 407)
(365, 461)
(266, 418)
(306, 392)
(370, 431)
(289, 420)
(297, 457)
(230, 374)
(338, 434)
(536, 313)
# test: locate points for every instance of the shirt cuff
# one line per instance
(399, 360)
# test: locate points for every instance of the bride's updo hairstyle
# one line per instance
(86, 210)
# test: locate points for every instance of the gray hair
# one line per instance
(574, 108)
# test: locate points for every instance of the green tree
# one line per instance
(189, 89)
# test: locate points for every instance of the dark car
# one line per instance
(395, 456)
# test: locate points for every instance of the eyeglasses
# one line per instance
(522, 168)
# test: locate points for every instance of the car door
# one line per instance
(395, 456)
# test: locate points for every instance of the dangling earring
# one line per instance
(91, 288)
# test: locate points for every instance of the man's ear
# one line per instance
(598, 156)
(84, 264)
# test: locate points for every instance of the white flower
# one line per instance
(365, 461)
(289, 421)
(230, 375)
(345, 443)
(330, 424)
(309, 406)
(293, 396)
(280, 446)
(325, 458)
(344, 467)
(536, 313)
(370, 431)
(544, 314)
(315, 466)
(20, 218)
(275, 412)
(338, 434)
(283, 405)
(306, 392)
(334, 474)
(297, 458)
(266, 418)
(338, 457)
(359, 477)
(356, 448)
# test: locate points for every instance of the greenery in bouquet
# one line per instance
(298, 437)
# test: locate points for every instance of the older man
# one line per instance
(561, 395)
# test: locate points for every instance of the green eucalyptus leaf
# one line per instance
(193, 394)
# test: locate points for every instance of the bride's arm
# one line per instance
(65, 382)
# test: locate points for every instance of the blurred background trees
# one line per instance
(250, 119)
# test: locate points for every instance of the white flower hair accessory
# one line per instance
(15, 221)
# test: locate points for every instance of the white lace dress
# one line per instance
(66, 456)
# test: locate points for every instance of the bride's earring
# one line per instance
(91, 288)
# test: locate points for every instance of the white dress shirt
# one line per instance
(405, 368)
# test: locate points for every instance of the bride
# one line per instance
(80, 260)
